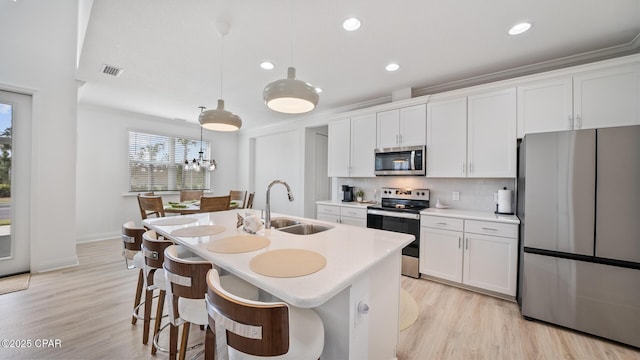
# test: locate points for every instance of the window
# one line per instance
(157, 163)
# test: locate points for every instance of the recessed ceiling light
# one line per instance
(351, 24)
(518, 29)
(266, 65)
(392, 67)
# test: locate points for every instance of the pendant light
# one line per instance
(220, 119)
(290, 95)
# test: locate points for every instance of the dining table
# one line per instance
(190, 207)
(349, 275)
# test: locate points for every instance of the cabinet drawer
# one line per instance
(353, 212)
(491, 228)
(328, 209)
(440, 222)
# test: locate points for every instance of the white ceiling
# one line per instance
(170, 50)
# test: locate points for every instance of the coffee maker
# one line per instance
(347, 193)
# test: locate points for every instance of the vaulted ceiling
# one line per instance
(170, 51)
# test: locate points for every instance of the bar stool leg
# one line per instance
(148, 300)
(173, 342)
(210, 344)
(136, 302)
(185, 339)
(156, 325)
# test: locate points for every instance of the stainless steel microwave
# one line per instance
(408, 160)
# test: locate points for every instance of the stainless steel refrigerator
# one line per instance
(579, 206)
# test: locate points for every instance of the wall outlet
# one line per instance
(456, 196)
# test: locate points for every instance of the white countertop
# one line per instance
(472, 215)
(349, 250)
(355, 204)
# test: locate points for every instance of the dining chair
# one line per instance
(185, 275)
(133, 258)
(153, 250)
(150, 205)
(240, 196)
(186, 195)
(249, 204)
(214, 203)
(256, 329)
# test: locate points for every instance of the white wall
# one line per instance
(102, 197)
(41, 61)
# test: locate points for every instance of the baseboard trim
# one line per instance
(55, 264)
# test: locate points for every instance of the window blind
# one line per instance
(157, 163)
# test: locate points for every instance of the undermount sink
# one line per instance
(278, 223)
(305, 229)
(296, 227)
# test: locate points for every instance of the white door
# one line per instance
(388, 125)
(339, 143)
(363, 145)
(491, 134)
(441, 253)
(607, 97)
(447, 138)
(490, 262)
(413, 125)
(15, 160)
(545, 106)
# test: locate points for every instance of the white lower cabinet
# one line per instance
(348, 215)
(481, 254)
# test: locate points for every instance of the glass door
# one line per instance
(15, 123)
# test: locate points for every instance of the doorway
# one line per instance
(15, 131)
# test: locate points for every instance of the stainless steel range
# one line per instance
(399, 211)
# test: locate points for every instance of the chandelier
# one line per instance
(200, 163)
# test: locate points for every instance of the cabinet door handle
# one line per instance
(570, 122)
(467, 246)
(400, 139)
(463, 167)
(441, 223)
(459, 242)
(470, 168)
(578, 122)
(492, 229)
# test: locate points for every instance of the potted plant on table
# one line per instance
(359, 195)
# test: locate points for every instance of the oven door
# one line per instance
(406, 223)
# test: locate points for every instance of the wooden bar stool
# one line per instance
(185, 275)
(133, 258)
(153, 251)
(259, 330)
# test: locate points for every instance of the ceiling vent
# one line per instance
(110, 70)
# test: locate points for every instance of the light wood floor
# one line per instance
(87, 308)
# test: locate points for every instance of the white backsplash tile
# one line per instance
(475, 194)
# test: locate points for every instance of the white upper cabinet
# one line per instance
(339, 144)
(590, 99)
(609, 97)
(402, 127)
(363, 144)
(545, 106)
(352, 143)
(473, 136)
(447, 138)
(491, 135)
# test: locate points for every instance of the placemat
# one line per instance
(175, 220)
(286, 263)
(201, 230)
(238, 244)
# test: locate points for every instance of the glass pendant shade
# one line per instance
(220, 119)
(290, 96)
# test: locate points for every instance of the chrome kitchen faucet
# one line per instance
(267, 212)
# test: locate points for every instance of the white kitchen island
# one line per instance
(362, 272)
